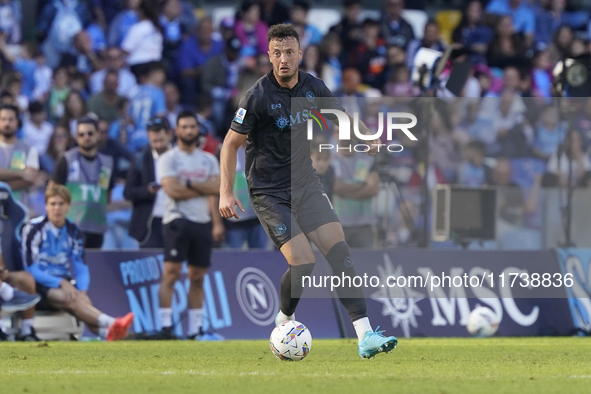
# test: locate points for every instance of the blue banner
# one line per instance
(578, 263)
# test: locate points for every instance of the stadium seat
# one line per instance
(52, 326)
(448, 20)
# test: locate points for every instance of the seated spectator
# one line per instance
(122, 128)
(521, 14)
(143, 190)
(330, 51)
(122, 158)
(17, 293)
(250, 30)
(571, 155)
(350, 92)
(444, 148)
(174, 32)
(369, 56)
(172, 99)
(541, 74)
(273, 12)
(37, 130)
(143, 43)
(114, 61)
(75, 109)
(106, 103)
(22, 63)
(149, 101)
(10, 21)
(311, 62)
(430, 40)
(472, 33)
(53, 248)
(395, 29)
(560, 46)
(472, 171)
(12, 82)
(400, 85)
(195, 51)
(60, 90)
(299, 16)
(122, 22)
(60, 141)
(348, 30)
(507, 47)
(550, 132)
(356, 183)
(82, 57)
(551, 15)
(42, 75)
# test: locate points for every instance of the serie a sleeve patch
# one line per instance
(239, 118)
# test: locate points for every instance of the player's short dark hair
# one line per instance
(88, 120)
(11, 107)
(186, 114)
(282, 31)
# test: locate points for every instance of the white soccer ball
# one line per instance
(291, 341)
(482, 322)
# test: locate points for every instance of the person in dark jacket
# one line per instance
(143, 190)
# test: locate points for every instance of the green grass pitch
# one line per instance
(473, 365)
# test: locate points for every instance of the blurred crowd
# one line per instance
(125, 61)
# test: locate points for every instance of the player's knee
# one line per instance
(196, 277)
(28, 283)
(171, 274)
(302, 257)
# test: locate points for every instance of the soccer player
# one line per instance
(53, 252)
(190, 178)
(293, 209)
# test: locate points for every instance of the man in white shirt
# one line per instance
(36, 128)
(115, 62)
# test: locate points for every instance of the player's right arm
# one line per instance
(228, 201)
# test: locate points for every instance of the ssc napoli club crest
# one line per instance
(282, 122)
(310, 96)
(348, 262)
(281, 229)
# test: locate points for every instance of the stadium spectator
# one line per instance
(399, 84)
(550, 15)
(172, 99)
(19, 162)
(123, 21)
(561, 44)
(17, 293)
(541, 74)
(88, 174)
(521, 14)
(273, 12)
(36, 129)
(23, 63)
(127, 83)
(42, 76)
(53, 252)
(60, 89)
(444, 147)
(349, 29)
(356, 183)
(195, 51)
(430, 40)
(190, 178)
(149, 101)
(83, 57)
(60, 141)
(473, 171)
(250, 30)
(580, 166)
(174, 31)
(58, 23)
(507, 47)
(143, 189)
(106, 103)
(12, 83)
(299, 16)
(311, 62)
(350, 92)
(75, 109)
(247, 229)
(220, 79)
(369, 56)
(10, 22)
(330, 51)
(395, 29)
(472, 33)
(122, 128)
(122, 158)
(550, 133)
(143, 43)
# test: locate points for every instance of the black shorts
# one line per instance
(44, 304)
(285, 214)
(185, 240)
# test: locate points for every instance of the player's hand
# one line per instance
(373, 147)
(70, 292)
(218, 231)
(227, 206)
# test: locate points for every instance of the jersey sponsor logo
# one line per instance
(257, 296)
(282, 122)
(276, 106)
(239, 118)
(281, 229)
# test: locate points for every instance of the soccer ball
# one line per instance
(482, 322)
(291, 341)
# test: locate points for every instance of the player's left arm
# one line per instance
(80, 268)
